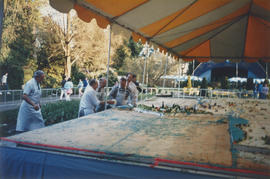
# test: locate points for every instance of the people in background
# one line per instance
(260, 86)
(85, 82)
(4, 81)
(120, 93)
(255, 91)
(89, 101)
(133, 89)
(68, 89)
(265, 90)
(62, 87)
(29, 116)
(80, 86)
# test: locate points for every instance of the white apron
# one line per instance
(28, 118)
(121, 98)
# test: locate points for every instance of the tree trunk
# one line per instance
(67, 42)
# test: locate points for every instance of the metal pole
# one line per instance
(108, 66)
(179, 82)
(165, 70)
(266, 70)
(193, 67)
(144, 67)
(236, 69)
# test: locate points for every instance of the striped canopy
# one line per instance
(188, 29)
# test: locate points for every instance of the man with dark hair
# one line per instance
(30, 117)
(120, 93)
(89, 100)
(134, 80)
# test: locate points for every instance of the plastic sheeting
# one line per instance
(21, 163)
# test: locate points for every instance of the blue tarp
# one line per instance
(21, 163)
(255, 70)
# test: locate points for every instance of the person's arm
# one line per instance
(29, 101)
(29, 87)
(112, 94)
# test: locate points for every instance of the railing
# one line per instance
(50, 94)
(197, 92)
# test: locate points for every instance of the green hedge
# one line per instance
(60, 111)
(52, 113)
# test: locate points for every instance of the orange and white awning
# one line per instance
(189, 29)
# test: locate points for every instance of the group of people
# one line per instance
(67, 87)
(123, 93)
(93, 99)
(261, 90)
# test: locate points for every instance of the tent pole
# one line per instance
(193, 67)
(108, 66)
(144, 68)
(236, 66)
(266, 70)
(179, 82)
(165, 70)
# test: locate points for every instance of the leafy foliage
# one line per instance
(18, 40)
(60, 111)
(50, 56)
(52, 113)
(135, 48)
(119, 57)
(76, 74)
(112, 77)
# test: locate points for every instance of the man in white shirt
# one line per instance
(89, 100)
(4, 81)
(133, 88)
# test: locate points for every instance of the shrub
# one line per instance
(60, 111)
(52, 113)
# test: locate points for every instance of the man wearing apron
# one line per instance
(120, 93)
(30, 117)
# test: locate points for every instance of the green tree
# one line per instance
(50, 54)
(18, 39)
(119, 57)
(135, 48)
(112, 78)
(76, 75)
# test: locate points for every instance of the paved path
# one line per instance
(5, 106)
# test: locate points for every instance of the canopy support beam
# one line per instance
(266, 70)
(108, 65)
(236, 66)
(165, 70)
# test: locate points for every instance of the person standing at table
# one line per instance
(89, 100)
(29, 116)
